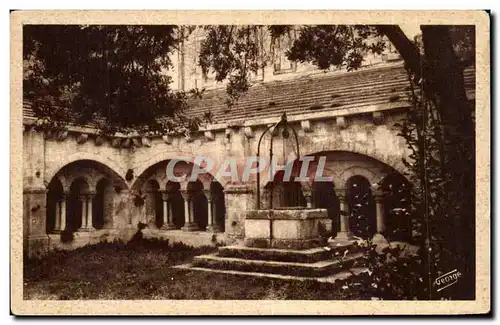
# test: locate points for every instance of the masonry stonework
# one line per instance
(116, 183)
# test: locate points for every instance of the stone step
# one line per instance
(341, 275)
(287, 255)
(316, 269)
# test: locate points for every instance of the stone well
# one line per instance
(287, 228)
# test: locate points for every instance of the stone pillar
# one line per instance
(35, 239)
(379, 208)
(168, 222)
(60, 223)
(212, 223)
(344, 233)
(83, 199)
(57, 221)
(86, 212)
(189, 224)
(90, 199)
(63, 212)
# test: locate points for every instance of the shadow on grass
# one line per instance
(140, 269)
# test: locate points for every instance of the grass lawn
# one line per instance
(141, 270)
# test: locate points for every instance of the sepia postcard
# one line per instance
(250, 163)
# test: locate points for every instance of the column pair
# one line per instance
(168, 217)
(189, 222)
(345, 232)
(86, 200)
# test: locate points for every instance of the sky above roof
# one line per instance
(410, 30)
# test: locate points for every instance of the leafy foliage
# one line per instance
(113, 76)
(233, 53)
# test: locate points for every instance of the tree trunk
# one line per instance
(444, 79)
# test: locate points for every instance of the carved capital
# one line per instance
(341, 194)
(186, 195)
(208, 194)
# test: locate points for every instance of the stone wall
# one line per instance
(364, 142)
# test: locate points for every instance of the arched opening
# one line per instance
(292, 195)
(96, 203)
(362, 214)
(285, 193)
(77, 202)
(324, 197)
(199, 203)
(176, 204)
(54, 197)
(397, 205)
(197, 208)
(218, 206)
(102, 214)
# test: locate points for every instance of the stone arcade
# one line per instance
(101, 188)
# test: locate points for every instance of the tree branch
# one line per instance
(405, 47)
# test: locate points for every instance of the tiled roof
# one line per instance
(318, 93)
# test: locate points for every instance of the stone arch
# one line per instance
(52, 169)
(147, 171)
(361, 205)
(187, 198)
(55, 194)
(79, 187)
(153, 203)
(396, 190)
(391, 159)
(346, 174)
(103, 204)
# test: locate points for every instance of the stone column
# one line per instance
(57, 221)
(90, 199)
(212, 223)
(379, 208)
(168, 222)
(60, 223)
(189, 224)
(344, 233)
(83, 199)
(63, 212)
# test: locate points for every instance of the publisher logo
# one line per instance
(447, 280)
